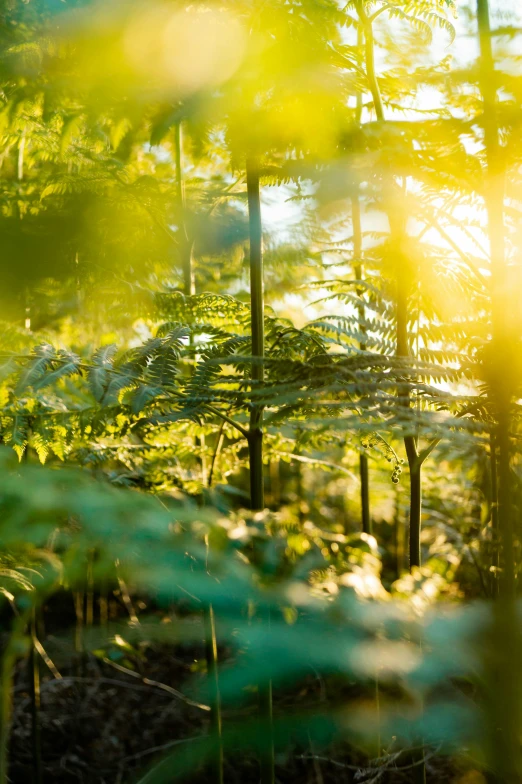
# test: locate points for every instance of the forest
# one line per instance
(260, 391)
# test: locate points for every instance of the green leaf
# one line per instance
(143, 395)
(42, 359)
(99, 373)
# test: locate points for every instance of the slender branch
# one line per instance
(215, 454)
(379, 11)
(227, 419)
(370, 60)
(422, 456)
(47, 659)
(314, 461)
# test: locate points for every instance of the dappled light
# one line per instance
(260, 391)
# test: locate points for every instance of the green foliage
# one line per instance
(392, 340)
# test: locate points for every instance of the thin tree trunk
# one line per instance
(299, 490)
(415, 516)
(398, 536)
(255, 451)
(504, 709)
(494, 199)
(494, 553)
(505, 522)
(366, 519)
(255, 438)
(185, 243)
(357, 253)
(365, 495)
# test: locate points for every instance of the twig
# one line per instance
(43, 653)
(156, 684)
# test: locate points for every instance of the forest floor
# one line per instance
(101, 725)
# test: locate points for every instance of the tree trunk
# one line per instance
(503, 677)
(255, 440)
(255, 437)
(365, 495)
(494, 553)
(185, 243)
(501, 339)
(366, 519)
(415, 516)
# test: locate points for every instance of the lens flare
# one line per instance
(188, 50)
